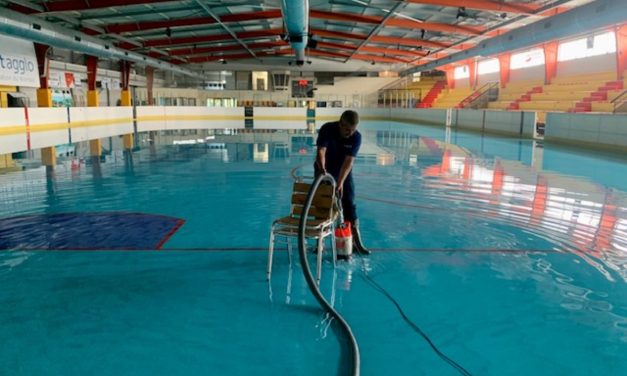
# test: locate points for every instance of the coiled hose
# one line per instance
(313, 286)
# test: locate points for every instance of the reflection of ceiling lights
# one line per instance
(413, 159)
(187, 142)
(385, 159)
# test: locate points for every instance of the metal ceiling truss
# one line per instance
(408, 33)
(497, 6)
(592, 16)
(23, 26)
(376, 29)
(226, 28)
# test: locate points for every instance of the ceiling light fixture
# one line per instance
(461, 12)
(367, 5)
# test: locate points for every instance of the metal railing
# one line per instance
(399, 98)
(619, 102)
(402, 82)
(480, 97)
(348, 100)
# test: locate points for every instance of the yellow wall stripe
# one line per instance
(151, 118)
(335, 117)
(300, 118)
(99, 122)
(47, 127)
(188, 117)
(12, 129)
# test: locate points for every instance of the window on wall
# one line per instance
(526, 59)
(488, 66)
(592, 45)
(461, 72)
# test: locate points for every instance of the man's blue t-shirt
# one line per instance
(337, 146)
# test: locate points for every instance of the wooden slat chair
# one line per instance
(320, 223)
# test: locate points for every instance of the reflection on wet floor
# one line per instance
(405, 166)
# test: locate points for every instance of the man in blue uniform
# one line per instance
(338, 143)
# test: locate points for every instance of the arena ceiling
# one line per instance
(397, 35)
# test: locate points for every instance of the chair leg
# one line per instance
(333, 249)
(289, 252)
(270, 252)
(319, 260)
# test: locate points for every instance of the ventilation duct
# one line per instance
(296, 16)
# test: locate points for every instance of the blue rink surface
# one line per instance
(509, 254)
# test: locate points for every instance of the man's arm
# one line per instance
(320, 158)
(347, 166)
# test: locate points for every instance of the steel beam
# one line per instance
(161, 24)
(212, 38)
(208, 10)
(400, 22)
(497, 6)
(584, 19)
(40, 31)
(78, 5)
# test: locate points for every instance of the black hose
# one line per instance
(313, 286)
(415, 327)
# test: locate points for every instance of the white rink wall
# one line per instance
(48, 126)
(325, 115)
(591, 129)
(32, 128)
(420, 115)
(12, 130)
(279, 118)
(169, 118)
(90, 123)
(513, 123)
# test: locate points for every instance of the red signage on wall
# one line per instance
(69, 80)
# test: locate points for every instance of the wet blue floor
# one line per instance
(509, 255)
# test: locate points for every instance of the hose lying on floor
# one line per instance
(313, 286)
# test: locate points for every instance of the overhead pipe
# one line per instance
(296, 17)
(38, 30)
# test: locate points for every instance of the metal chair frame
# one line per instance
(320, 224)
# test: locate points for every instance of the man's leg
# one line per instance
(350, 214)
(358, 245)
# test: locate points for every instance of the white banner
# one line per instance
(18, 62)
(63, 80)
(55, 81)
